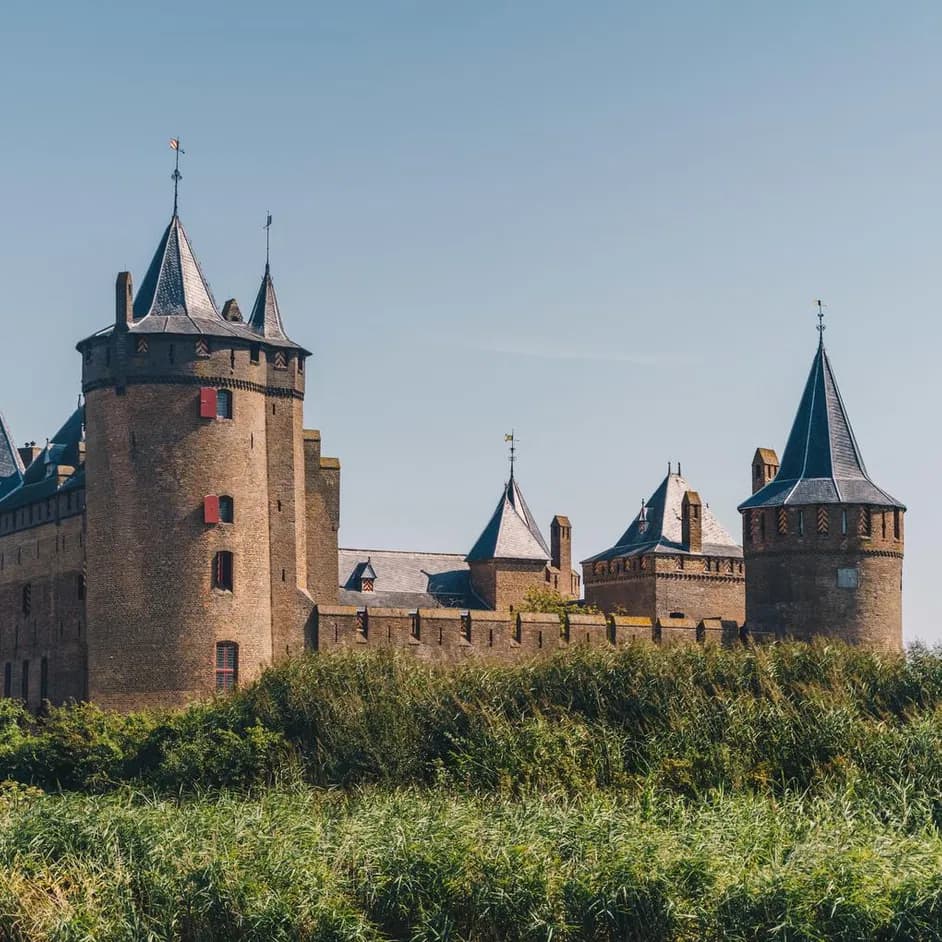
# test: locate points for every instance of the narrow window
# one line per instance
(466, 625)
(227, 666)
(24, 686)
(844, 521)
(896, 524)
(801, 523)
(222, 571)
(232, 359)
(170, 355)
(44, 679)
(223, 404)
(883, 523)
(414, 625)
(8, 679)
(80, 586)
(226, 509)
(27, 599)
(762, 524)
(254, 352)
(300, 363)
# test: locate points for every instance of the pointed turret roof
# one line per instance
(266, 316)
(512, 532)
(11, 467)
(822, 463)
(174, 284)
(657, 527)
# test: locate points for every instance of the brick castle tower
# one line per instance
(202, 487)
(823, 544)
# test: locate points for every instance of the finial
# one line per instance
(267, 228)
(668, 468)
(821, 327)
(512, 438)
(176, 176)
(679, 473)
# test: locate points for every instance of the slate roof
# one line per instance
(175, 298)
(266, 316)
(40, 480)
(512, 532)
(657, 528)
(11, 467)
(406, 580)
(822, 463)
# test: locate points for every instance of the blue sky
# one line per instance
(601, 224)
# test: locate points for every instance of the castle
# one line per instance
(179, 532)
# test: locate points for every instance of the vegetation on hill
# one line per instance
(789, 792)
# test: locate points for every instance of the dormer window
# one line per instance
(367, 577)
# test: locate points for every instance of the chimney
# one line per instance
(764, 468)
(124, 301)
(231, 311)
(691, 525)
(29, 453)
(561, 544)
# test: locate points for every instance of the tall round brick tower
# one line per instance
(195, 488)
(823, 545)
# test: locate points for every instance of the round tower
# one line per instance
(193, 426)
(823, 545)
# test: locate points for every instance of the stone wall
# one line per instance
(657, 585)
(845, 585)
(451, 636)
(42, 605)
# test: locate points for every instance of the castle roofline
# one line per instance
(11, 466)
(512, 532)
(822, 463)
(266, 315)
(657, 528)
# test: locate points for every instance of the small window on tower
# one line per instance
(27, 599)
(227, 666)
(80, 586)
(223, 404)
(222, 571)
(226, 510)
(255, 352)
(300, 363)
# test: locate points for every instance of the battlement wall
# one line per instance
(447, 635)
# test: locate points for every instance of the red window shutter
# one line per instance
(211, 509)
(207, 402)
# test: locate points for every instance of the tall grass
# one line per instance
(791, 792)
(293, 864)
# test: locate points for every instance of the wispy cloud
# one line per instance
(540, 350)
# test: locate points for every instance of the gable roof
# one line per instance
(266, 315)
(406, 579)
(657, 527)
(11, 467)
(512, 532)
(822, 463)
(40, 480)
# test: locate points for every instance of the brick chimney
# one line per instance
(561, 544)
(764, 468)
(29, 453)
(691, 522)
(124, 301)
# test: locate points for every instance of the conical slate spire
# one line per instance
(11, 468)
(511, 533)
(266, 315)
(174, 284)
(822, 463)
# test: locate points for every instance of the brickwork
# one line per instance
(322, 484)
(654, 586)
(503, 584)
(42, 600)
(450, 636)
(844, 583)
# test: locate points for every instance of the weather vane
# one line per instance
(176, 176)
(821, 327)
(267, 228)
(512, 438)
